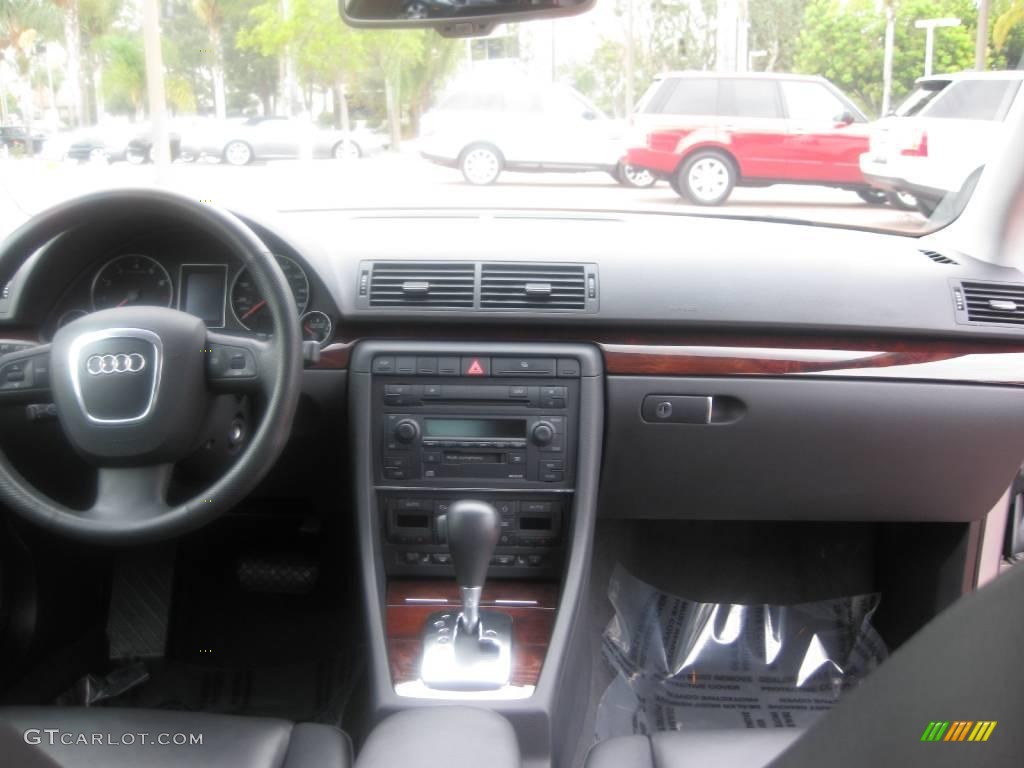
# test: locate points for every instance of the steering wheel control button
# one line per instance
(677, 409)
(224, 362)
(115, 374)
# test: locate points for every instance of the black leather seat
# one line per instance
(78, 737)
(965, 665)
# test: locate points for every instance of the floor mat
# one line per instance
(684, 665)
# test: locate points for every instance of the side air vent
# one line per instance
(6, 293)
(938, 258)
(434, 284)
(535, 286)
(992, 302)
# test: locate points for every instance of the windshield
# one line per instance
(857, 113)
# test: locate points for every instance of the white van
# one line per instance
(486, 128)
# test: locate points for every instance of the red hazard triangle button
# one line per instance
(476, 366)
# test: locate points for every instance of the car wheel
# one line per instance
(872, 196)
(346, 150)
(238, 153)
(706, 178)
(137, 157)
(903, 200)
(481, 165)
(99, 156)
(631, 176)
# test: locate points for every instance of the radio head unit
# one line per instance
(497, 430)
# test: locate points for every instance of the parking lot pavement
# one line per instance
(406, 181)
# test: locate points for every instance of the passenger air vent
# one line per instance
(992, 302)
(535, 286)
(433, 284)
(938, 258)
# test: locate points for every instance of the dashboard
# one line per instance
(752, 355)
(171, 269)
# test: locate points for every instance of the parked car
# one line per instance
(240, 141)
(709, 132)
(140, 148)
(484, 128)
(14, 140)
(103, 143)
(941, 136)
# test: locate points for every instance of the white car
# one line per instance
(941, 135)
(489, 127)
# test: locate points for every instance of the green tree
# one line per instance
(773, 26)
(96, 20)
(1007, 34)
(124, 75)
(327, 53)
(844, 41)
(72, 45)
(212, 13)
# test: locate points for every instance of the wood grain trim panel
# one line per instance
(659, 353)
(531, 606)
(972, 364)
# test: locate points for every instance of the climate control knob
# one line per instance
(406, 431)
(543, 433)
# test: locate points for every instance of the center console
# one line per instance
(504, 426)
(476, 475)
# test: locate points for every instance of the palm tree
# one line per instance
(73, 47)
(211, 12)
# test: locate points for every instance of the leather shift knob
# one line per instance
(473, 530)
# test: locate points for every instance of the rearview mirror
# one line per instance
(454, 18)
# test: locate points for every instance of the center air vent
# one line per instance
(435, 284)
(534, 286)
(993, 302)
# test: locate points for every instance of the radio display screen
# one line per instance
(479, 429)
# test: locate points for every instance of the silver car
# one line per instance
(239, 142)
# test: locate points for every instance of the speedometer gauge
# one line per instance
(249, 306)
(132, 280)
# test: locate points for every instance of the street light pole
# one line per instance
(981, 39)
(629, 59)
(890, 36)
(929, 25)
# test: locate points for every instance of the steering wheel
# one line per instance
(132, 385)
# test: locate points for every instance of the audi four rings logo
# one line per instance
(100, 365)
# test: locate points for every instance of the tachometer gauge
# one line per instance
(132, 280)
(316, 326)
(250, 308)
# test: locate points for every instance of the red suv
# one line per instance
(709, 132)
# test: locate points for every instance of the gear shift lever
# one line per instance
(473, 530)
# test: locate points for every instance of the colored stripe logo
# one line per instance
(959, 730)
